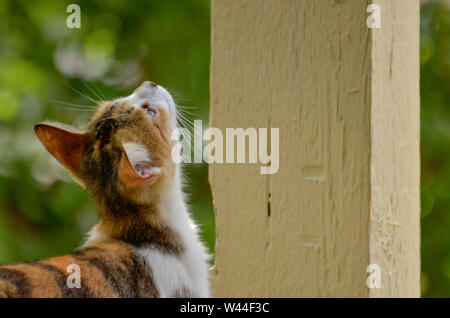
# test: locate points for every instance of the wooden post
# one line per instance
(346, 101)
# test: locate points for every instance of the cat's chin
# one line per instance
(148, 190)
(139, 174)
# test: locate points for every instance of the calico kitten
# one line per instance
(145, 244)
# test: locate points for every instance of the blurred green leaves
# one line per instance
(10, 105)
(44, 64)
(435, 148)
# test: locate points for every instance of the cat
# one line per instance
(145, 243)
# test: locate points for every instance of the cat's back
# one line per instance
(107, 269)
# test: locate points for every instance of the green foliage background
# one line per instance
(43, 64)
(435, 147)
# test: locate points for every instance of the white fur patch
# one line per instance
(190, 269)
(168, 272)
(95, 236)
(194, 258)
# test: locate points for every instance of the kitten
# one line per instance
(145, 243)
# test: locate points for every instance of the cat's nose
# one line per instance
(146, 89)
(147, 84)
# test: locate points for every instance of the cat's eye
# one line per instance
(149, 109)
(151, 112)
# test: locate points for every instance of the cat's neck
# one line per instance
(173, 215)
(163, 223)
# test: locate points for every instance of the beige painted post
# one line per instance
(346, 101)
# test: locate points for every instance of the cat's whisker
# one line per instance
(190, 129)
(187, 123)
(71, 104)
(176, 94)
(77, 109)
(187, 113)
(101, 95)
(104, 95)
(188, 136)
(92, 91)
(180, 113)
(109, 93)
(83, 95)
(182, 117)
(179, 106)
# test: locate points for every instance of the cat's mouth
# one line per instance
(145, 170)
(136, 167)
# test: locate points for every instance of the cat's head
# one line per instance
(125, 149)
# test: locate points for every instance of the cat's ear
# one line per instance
(136, 167)
(67, 147)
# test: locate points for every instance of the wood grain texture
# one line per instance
(307, 67)
(395, 156)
